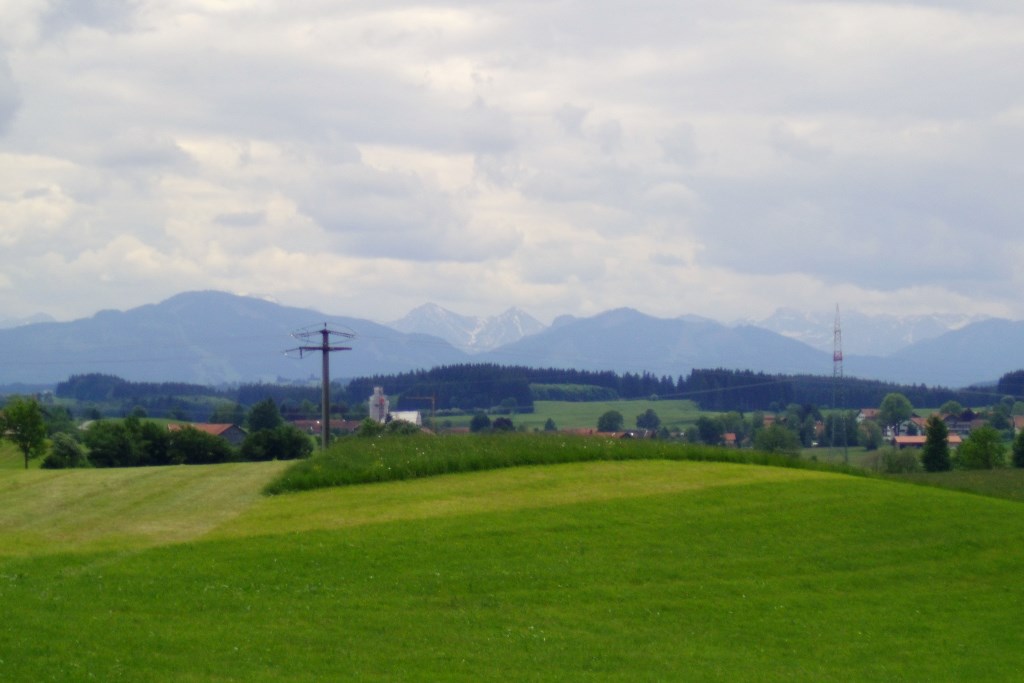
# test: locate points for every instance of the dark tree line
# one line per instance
(472, 386)
(484, 385)
(184, 401)
(98, 387)
(1011, 384)
(744, 390)
(740, 390)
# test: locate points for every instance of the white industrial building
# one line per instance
(379, 405)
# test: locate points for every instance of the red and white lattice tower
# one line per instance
(837, 385)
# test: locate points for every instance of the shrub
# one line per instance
(502, 424)
(283, 443)
(369, 428)
(870, 435)
(190, 446)
(890, 460)
(1018, 450)
(64, 453)
(401, 427)
(983, 449)
(480, 423)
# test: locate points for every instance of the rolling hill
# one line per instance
(606, 570)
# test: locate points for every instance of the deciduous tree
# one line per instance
(648, 420)
(951, 408)
(22, 423)
(983, 449)
(502, 424)
(480, 422)
(190, 446)
(111, 445)
(64, 453)
(283, 443)
(895, 410)
(710, 430)
(610, 421)
(777, 439)
(264, 415)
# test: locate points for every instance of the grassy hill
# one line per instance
(604, 570)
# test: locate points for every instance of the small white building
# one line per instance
(412, 416)
(379, 405)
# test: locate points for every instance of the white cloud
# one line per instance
(682, 157)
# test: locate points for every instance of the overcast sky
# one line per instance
(565, 156)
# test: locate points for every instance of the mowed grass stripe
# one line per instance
(806, 579)
(75, 510)
(508, 489)
(130, 508)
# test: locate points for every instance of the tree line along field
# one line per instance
(604, 570)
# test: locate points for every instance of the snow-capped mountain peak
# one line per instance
(874, 335)
(470, 333)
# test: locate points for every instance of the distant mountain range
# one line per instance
(206, 338)
(214, 338)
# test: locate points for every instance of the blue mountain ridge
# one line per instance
(213, 337)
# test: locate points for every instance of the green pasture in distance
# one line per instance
(566, 415)
(609, 570)
(584, 414)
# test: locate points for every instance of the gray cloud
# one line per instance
(61, 16)
(750, 154)
(9, 97)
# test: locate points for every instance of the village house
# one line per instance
(231, 433)
(902, 442)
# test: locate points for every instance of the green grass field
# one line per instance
(674, 414)
(1001, 483)
(639, 570)
(10, 457)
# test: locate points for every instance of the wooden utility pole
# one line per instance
(325, 348)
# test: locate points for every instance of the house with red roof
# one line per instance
(231, 433)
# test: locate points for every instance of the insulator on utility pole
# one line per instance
(326, 334)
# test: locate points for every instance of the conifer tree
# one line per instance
(935, 456)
